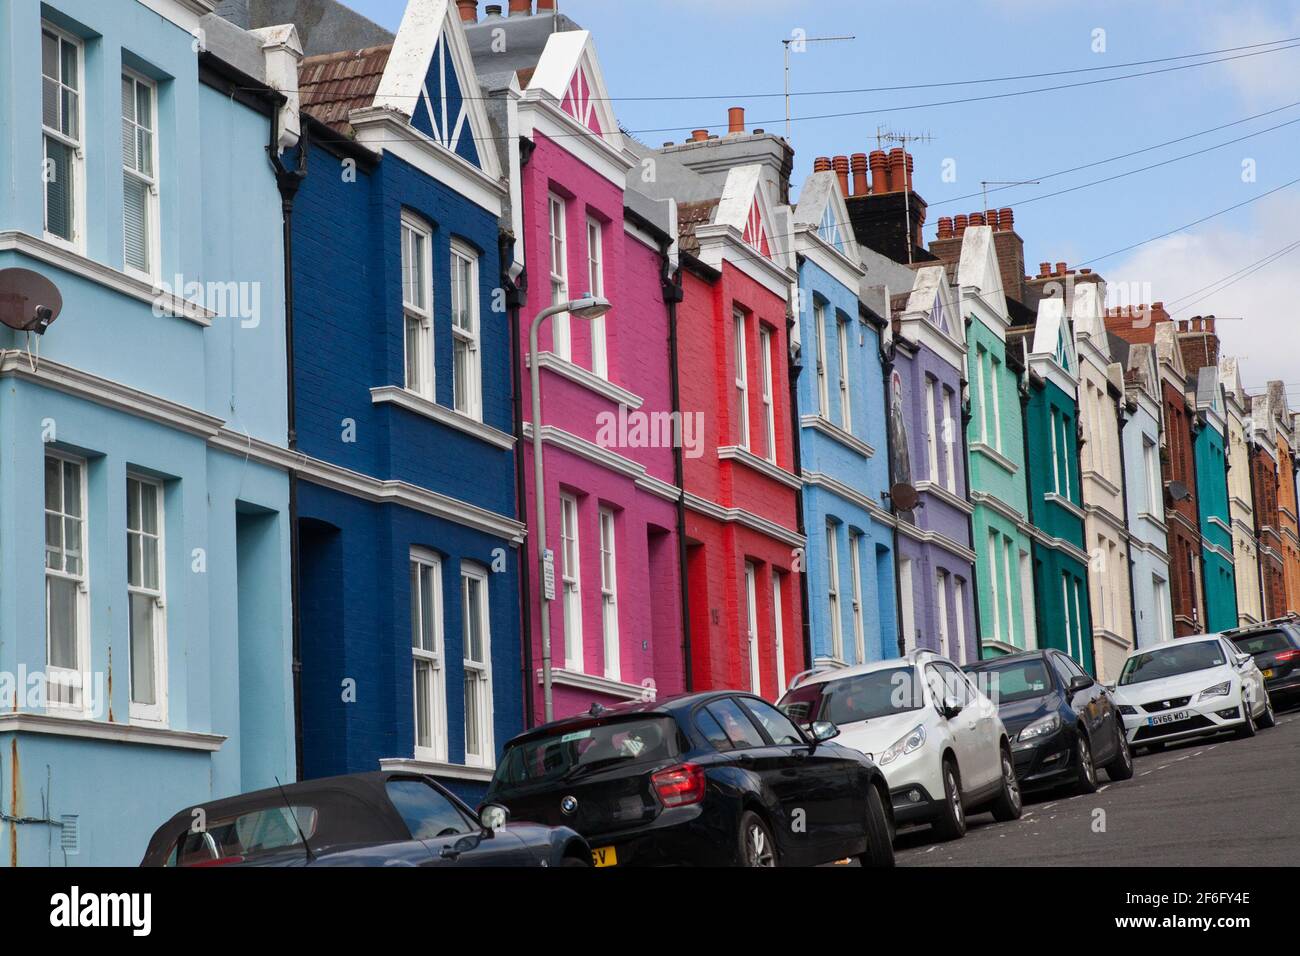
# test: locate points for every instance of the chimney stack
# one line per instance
(468, 10)
(858, 163)
(735, 120)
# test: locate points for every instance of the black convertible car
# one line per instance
(363, 819)
(712, 779)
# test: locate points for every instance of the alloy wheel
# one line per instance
(758, 848)
(1085, 760)
(1011, 783)
(954, 794)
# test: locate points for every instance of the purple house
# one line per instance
(925, 350)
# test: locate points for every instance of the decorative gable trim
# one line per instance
(568, 73)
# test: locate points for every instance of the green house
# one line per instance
(1212, 497)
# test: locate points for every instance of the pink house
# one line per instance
(608, 460)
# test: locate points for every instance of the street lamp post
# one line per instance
(588, 307)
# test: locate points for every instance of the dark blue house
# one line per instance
(408, 539)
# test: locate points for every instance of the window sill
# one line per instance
(1061, 501)
(587, 379)
(995, 456)
(828, 428)
(418, 404)
(437, 768)
(83, 727)
(761, 465)
(601, 685)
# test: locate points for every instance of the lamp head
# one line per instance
(589, 306)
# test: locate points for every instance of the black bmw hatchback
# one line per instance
(711, 779)
(1063, 724)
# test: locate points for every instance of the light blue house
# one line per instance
(145, 659)
(1153, 615)
(842, 440)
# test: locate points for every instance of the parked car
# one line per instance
(362, 819)
(938, 740)
(1275, 645)
(1062, 723)
(713, 779)
(1191, 687)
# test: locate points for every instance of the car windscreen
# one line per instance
(1262, 642)
(570, 753)
(1172, 661)
(1013, 681)
(860, 697)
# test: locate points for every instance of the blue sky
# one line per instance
(665, 50)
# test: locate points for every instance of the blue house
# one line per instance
(406, 499)
(144, 503)
(843, 445)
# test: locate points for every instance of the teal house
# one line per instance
(1212, 497)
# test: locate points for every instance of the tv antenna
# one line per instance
(886, 136)
(798, 42)
(1001, 184)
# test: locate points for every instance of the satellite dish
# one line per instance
(29, 302)
(903, 496)
(1178, 491)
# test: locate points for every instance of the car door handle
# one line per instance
(449, 853)
(744, 758)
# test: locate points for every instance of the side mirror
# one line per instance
(824, 730)
(951, 708)
(1244, 659)
(1079, 683)
(493, 816)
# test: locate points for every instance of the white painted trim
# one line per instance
(596, 683)
(820, 423)
(723, 242)
(810, 244)
(590, 451)
(816, 479)
(944, 495)
(86, 729)
(436, 768)
(745, 518)
(539, 113)
(760, 465)
(78, 265)
(1052, 497)
(941, 540)
(419, 405)
(586, 378)
(995, 456)
(184, 13)
(1107, 485)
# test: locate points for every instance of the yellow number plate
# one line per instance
(604, 856)
(1268, 672)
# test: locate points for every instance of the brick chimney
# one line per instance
(887, 213)
(1007, 243)
(1136, 324)
(713, 157)
(1199, 342)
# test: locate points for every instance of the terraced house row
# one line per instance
(394, 399)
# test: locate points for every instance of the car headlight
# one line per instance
(914, 739)
(1041, 728)
(1127, 710)
(1218, 690)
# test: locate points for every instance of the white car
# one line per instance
(1191, 687)
(937, 739)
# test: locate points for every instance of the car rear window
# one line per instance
(247, 835)
(1262, 642)
(570, 753)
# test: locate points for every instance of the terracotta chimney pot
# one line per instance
(841, 166)
(699, 135)
(822, 164)
(879, 164)
(735, 120)
(945, 227)
(521, 8)
(468, 10)
(858, 163)
(1006, 217)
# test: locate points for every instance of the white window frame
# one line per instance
(571, 581)
(78, 198)
(959, 607)
(470, 404)
(941, 611)
(414, 313)
(932, 430)
(56, 676)
(947, 435)
(1065, 457)
(1056, 454)
(833, 590)
(907, 615)
(153, 238)
(478, 672)
(769, 413)
(1071, 628)
(995, 543)
(156, 712)
(1026, 600)
(421, 560)
(1007, 547)
(1151, 465)
(558, 230)
(981, 386)
(823, 386)
(751, 627)
(855, 595)
(1164, 608)
(997, 404)
(846, 399)
(742, 378)
(609, 593)
(778, 630)
(596, 287)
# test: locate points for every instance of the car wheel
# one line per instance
(951, 822)
(1121, 768)
(1268, 718)
(1247, 729)
(1009, 804)
(1086, 782)
(880, 842)
(756, 845)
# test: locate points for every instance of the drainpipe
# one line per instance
(887, 355)
(794, 366)
(1120, 409)
(673, 295)
(966, 412)
(288, 182)
(516, 291)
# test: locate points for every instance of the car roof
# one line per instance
(1040, 652)
(1175, 642)
(911, 659)
(673, 706)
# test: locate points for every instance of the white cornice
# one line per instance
(436, 768)
(539, 112)
(78, 265)
(816, 479)
(599, 685)
(918, 328)
(1061, 501)
(417, 404)
(22, 722)
(995, 456)
(723, 242)
(586, 378)
(745, 518)
(761, 465)
(934, 537)
(996, 504)
(186, 14)
(944, 495)
(610, 460)
(810, 244)
(1107, 485)
(822, 424)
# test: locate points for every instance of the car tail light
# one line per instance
(679, 786)
(1286, 656)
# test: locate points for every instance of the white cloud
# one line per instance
(1268, 79)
